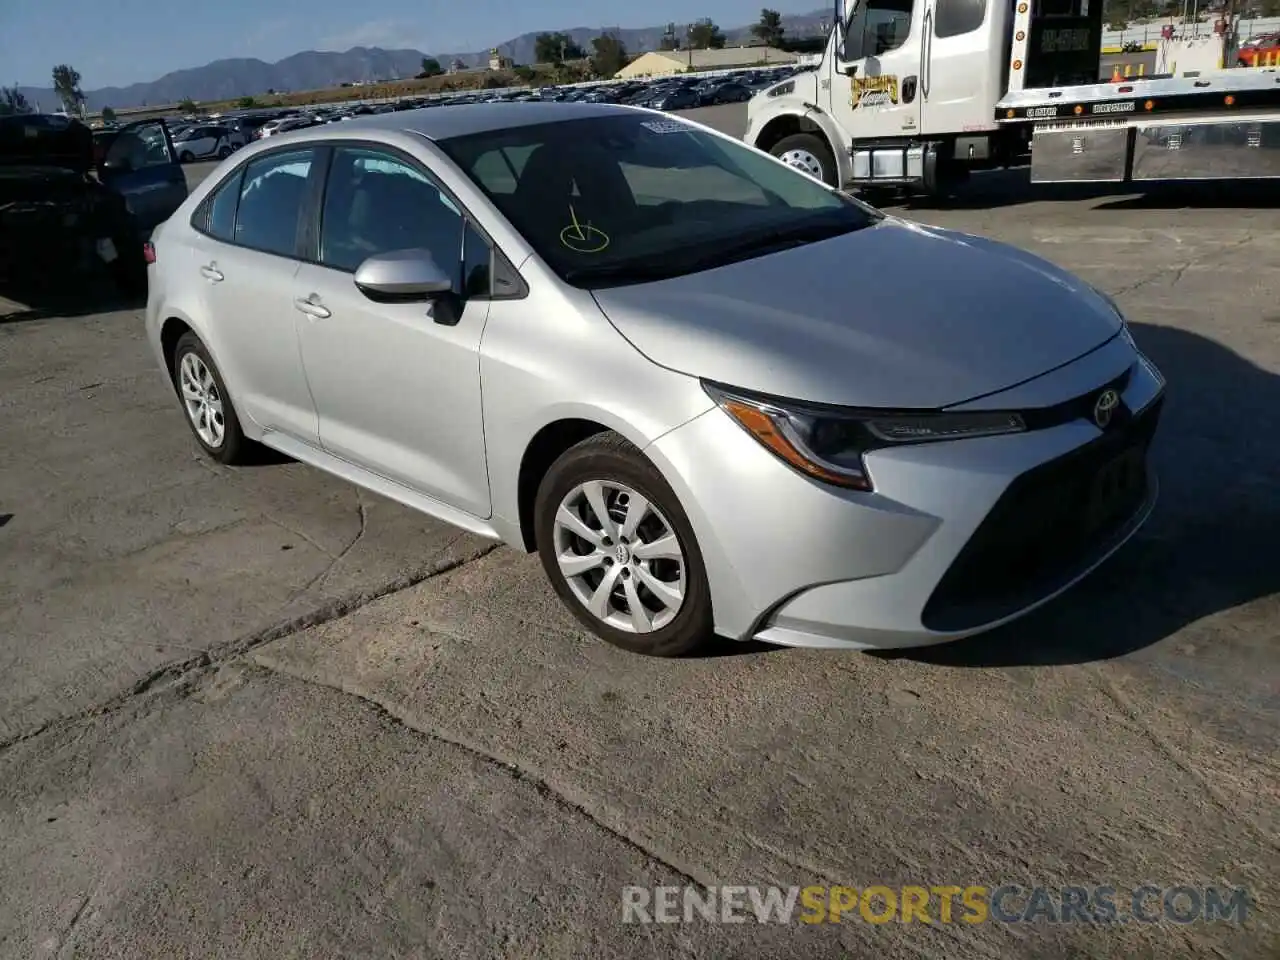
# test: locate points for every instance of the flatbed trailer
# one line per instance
(1220, 125)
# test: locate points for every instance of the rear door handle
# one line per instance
(211, 272)
(311, 308)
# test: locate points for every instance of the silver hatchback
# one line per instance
(715, 395)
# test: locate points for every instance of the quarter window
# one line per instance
(377, 203)
(955, 17)
(220, 219)
(275, 189)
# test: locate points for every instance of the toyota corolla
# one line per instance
(715, 395)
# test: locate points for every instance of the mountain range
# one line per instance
(318, 70)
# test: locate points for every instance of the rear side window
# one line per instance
(271, 200)
(220, 221)
(955, 17)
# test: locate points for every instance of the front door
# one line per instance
(396, 385)
(139, 163)
(881, 59)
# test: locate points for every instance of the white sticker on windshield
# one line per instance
(667, 126)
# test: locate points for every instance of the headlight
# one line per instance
(829, 445)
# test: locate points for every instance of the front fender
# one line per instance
(795, 113)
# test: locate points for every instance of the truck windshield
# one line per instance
(620, 199)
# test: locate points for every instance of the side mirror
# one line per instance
(402, 275)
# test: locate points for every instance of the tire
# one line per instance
(611, 465)
(223, 152)
(186, 156)
(793, 149)
(231, 447)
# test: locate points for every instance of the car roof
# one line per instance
(460, 120)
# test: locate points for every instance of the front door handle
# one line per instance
(211, 272)
(312, 308)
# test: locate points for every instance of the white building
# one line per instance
(665, 63)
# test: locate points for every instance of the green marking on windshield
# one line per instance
(582, 238)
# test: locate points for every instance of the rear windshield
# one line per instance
(637, 196)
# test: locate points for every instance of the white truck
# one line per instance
(915, 94)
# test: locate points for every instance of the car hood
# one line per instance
(897, 315)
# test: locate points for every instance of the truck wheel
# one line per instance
(809, 154)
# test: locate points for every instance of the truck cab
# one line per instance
(904, 87)
(917, 93)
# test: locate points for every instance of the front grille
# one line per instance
(1052, 522)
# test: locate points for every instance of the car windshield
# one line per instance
(632, 197)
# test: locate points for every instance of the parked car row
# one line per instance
(217, 138)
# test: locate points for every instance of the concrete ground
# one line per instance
(256, 713)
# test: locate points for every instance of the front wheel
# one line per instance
(223, 152)
(619, 550)
(186, 156)
(808, 153)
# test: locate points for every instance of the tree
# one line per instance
(769, 30)
(431, 67)
(12, 101)
(555, 48)
(66, 84)
(610, 55)
(187, 105)
(247, 103)
(524, 74)
(705, 35)
(108, 115)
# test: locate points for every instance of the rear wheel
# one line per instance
(223, 152)
(207, 404)
(619, 550)
(186, 156)
(808, 153)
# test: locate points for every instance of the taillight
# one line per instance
(149, 252)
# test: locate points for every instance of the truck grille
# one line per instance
(1052, 522)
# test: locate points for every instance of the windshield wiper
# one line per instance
(677, 263)
(774, 242)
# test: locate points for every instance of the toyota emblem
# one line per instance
(1105, 408)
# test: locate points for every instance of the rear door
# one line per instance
(139, 163)
(246, 243)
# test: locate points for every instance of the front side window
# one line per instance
(377, 203)
(137, 146)
(271, 201)
(633, 197)
(886, 27)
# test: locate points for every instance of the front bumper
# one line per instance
(958, 538)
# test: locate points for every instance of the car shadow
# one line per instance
(1209, 546)
(81, 297)
(994, 189)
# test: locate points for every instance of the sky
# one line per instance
(130, 41)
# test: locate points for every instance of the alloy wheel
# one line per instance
(202, 400)
(620, 556)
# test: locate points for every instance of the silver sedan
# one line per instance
(715, 395)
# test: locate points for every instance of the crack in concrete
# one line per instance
(364, 527)
(561, 795)
(1179, 270)
(1176, 757)
(178, 671)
